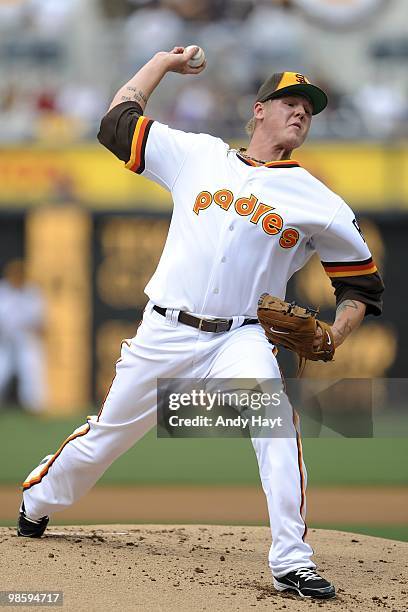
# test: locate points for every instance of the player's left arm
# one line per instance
(349, 315)
(347, 261)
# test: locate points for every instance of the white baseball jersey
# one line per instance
(239, 228)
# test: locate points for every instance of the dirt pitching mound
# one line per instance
(192, 567)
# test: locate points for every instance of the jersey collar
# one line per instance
(283, 163)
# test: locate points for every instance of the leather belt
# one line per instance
(215, 327)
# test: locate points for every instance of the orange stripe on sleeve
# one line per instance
(349, 268)
(351, 271)
(131, 161)
(137, 144)
(361, 273)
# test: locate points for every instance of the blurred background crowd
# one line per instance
(91, 234)
(61, 61)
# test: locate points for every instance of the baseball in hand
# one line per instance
(198, 59)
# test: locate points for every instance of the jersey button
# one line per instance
(231, 228)
(223, 259)
(216, 290)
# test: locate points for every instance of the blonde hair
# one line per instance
(250, 127)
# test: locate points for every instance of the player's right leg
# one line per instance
(129, 411)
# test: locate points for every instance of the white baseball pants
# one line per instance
(164, 348)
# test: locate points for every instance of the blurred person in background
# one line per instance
(382, 107)
(157, 26)
(194, 105)
(273, 33)
(22, 322)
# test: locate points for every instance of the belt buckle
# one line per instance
(226, 321)
(215, 321)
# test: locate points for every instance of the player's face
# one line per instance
(287, 120)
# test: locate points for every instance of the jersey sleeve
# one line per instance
(348, 262)
(147, 147)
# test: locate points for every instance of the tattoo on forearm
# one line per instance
(347, 304)
(344, 331)
(134, 95)
(348, 316)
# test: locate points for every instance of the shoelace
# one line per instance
(308, 574)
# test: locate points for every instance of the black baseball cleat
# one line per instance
(28, 528)
(306, 582)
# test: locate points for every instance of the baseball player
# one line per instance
(243, 222)
(22, 323)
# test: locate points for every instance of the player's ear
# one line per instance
(259, 110)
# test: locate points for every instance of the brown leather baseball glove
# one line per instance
(294, 327)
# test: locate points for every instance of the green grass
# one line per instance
(25, 440)
(390, 532)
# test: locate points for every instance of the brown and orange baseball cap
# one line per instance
(292, 83)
